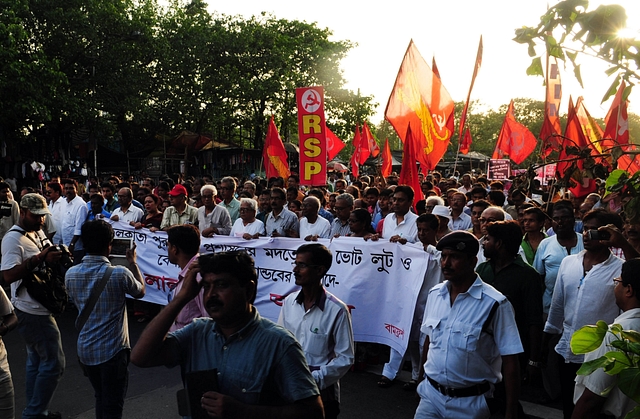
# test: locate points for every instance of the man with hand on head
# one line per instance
(260, 369)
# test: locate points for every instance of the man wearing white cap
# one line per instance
(24, 249)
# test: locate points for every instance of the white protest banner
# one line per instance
(379, 281)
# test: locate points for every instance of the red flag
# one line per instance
(515, 139)
(355, 158)
(409, 170)
(387, 159)
(434, 67)
(476, 67)
(418, 97)
(590, 128)
(466, 142)
(274, 154)
(616, 122)
(368, 144)
(551, 122)
(334, 144)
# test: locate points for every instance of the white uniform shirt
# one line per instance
(57, 214)
(74, 215)
(132, 213)
(325, 334)
(462, 223)
(321, 228)
(238, 229)
(580, 299)
(407, 229)
(617, 403)
(547, 262)
(460, 353)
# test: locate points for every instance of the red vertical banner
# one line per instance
(313, 136)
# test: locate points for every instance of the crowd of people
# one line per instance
(514, 270)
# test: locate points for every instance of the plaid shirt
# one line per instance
(106, 331)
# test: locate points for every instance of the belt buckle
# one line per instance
(450, 392)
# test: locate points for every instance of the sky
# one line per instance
(450, 31)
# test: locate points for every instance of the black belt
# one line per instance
(476, 390)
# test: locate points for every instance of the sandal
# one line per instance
(384, 382)
(410, 385)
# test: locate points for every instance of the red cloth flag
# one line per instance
(387, 159)
(590, 128)
(466, 142)
(616, 122)
(476, 67)
(418, 97)
(363, 145)
(515, 139)
(551, 122)
(355, 158)
(274, 154)
(334, 145)
(369, 141)
(409, 170)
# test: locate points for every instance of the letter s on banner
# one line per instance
(312, 134)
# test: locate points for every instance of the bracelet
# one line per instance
(535, 364)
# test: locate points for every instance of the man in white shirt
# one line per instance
(400, 225)
(75, 214)
(212, 218)
(312, 225)
(583, 294)
(126, 212)
(459, 220)
(56, 207)
(592, 393)
(321, 323)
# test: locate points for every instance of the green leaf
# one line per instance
(617, 176)
(629, 383)
(615, 328)
(572, 56)
(588, 338)
(611, 70)
(590, 366)
(535, 69)
(634, 413)
(619, 362)
(576, 72)
(612, 89)
(631, 335)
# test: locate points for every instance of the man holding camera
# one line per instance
(24, 249)
(103, 343)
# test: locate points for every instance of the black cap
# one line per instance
(462, 241)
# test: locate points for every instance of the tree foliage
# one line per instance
(569, 30)
(129, 70)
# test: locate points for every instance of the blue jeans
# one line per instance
(110, 381)
(45, 361)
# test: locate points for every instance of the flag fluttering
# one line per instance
(409, 171)
(551, 122)
(476, 67)
(387, 159)
(434, 67)
(515, 139)
(590, 128)
(617, 121)
(465, 145)
(334, 145)
(355, 158)
(419, 98)
(369, 143)
(274, 154)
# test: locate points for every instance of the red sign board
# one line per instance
(312, 134)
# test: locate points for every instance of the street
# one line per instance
(151, 393)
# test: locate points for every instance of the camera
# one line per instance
(598, 235)
(66, 260)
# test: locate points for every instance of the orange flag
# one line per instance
(418, 97)
(515, 139)
(368, 142)
(387, 159)
(409, 170)
(434, 67)
(355, 158)
(334, 144)
(476, 67)
(551, 122)
(590, 128)
(616, 122)
(466, 142)
(274, 154)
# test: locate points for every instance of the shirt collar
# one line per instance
(475, 290)
(320, 302)
(248, 328)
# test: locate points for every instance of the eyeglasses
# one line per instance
(487, 220)
(618, 279)
(245, 209)
(302, 265)
(340, 208)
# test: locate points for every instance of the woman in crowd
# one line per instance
(153, 215)
(247, 225)
(360, 223)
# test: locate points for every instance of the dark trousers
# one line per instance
(567, 385)
(331, 409)
(110, 381)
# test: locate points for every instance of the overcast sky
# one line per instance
(450, 30)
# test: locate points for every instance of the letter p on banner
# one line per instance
(312, 135)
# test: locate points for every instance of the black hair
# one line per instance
(96, 235)
(537, 212)
(631, 275)
(604, 217)
(185, 237)
(509, 233)
(430, 219)
(320, 254)
(405, 189)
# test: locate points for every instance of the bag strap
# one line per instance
(93, 299)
